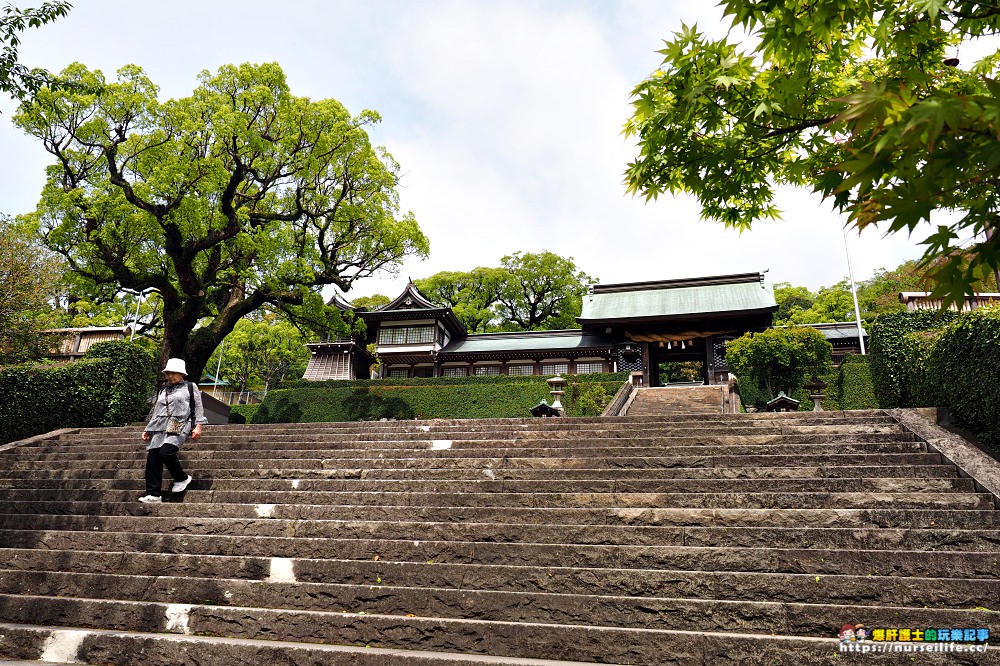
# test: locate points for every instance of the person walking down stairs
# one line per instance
(177, 413)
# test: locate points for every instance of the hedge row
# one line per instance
(848, 387)
(962, 372)
(109, 386)
(446, 398)
(895, 354)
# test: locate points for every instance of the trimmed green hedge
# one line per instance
(447, 398)
(964, 364)
(853, 384)
(245, 412)
(109, 386)
(848, 387)
(892, 353)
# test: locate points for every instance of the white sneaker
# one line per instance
(150, 499)
(181, 486)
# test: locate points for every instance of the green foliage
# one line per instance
(372, 302)
(964, 363)
(541, 291)
(15, 78)
(133, 380)
(29, 283)
(528, 292)
(472, 295)
(442, 397)
(238, 196)
(244, 412)
(854, 100)
(777, 359)
(259, 354)
(680, 371)
(751, 393)
(853, 385)
(892, 354)
(108, 387)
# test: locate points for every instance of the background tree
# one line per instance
(30, 279)
(779, 358)
(471, 295)
(541, 291)
(17, 79)
(236, 197)
(371, 302)
(792, 302)
(861, 101)
(260, 353)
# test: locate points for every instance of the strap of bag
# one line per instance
(191, 396)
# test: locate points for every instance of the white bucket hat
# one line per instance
(176, 365)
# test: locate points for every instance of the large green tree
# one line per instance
(239, 196)
(16, 79)
(541, 290)
(472, 295)
(30, 277)
(778, 359)
(862, 101)
(528, 291)
(259, 353)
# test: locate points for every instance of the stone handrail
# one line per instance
(621, 399)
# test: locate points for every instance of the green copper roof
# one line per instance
(720, 295)
(526, 341)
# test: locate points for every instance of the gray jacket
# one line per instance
(174, 401)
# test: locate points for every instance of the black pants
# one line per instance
(156, 459)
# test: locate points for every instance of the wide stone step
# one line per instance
(129, 648)
(334, 617)
(513, 462)
(694, 430)
(235, 554)
(758, 500)
(289, 475)
(448, 449)
(481, 484)
(746, 537)
(318, 584)
(27, 570)
(714, 517)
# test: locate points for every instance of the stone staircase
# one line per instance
(703, 539)
(668, 400)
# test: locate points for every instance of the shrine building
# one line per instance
(630, 327)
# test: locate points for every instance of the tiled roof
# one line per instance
(638, 301)
(527, 341)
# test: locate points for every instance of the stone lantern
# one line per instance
(558, 384)
(816, 387)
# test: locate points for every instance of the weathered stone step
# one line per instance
(944, 591)
(448, 449)
(320, 622)
(512, 462)
(484, 484)
(680, 647)
(745, 537)
(202, 552)
(750, 500)
(317, 583)
(714, 517)
(517, 434)
(762, 419)
(288, 475)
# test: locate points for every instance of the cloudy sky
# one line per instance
(505, 116)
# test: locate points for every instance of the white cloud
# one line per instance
(505, 116)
